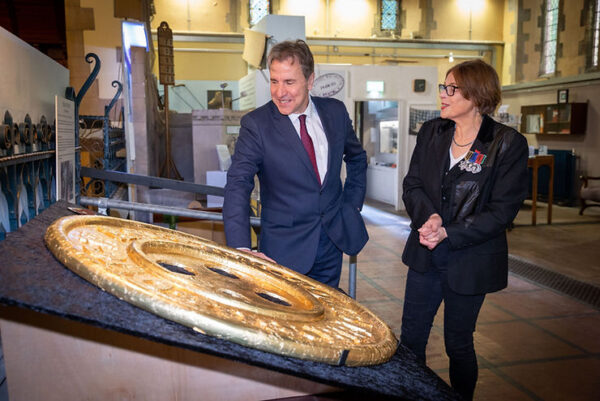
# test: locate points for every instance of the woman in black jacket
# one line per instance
(466, 182)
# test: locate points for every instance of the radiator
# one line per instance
(565, 178)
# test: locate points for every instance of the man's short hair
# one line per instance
(296, 50)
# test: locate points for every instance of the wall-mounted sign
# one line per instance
(419, 85)
(64, 114)
(375, 88)
(166, 65)
(562, 96)
(328, 85)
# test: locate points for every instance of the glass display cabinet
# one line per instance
(560, 118)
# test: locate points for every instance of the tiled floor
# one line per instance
(570, 245)
(532, 342)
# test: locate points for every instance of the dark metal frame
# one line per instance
(113, 137)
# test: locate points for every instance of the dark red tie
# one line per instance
(308, 145)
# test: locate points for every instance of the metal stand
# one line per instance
(168, 169)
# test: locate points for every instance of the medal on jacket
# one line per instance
(472, 161)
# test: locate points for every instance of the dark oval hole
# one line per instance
(223, 272)
(273, 299)
(175, 269)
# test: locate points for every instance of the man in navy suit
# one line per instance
(296, 144)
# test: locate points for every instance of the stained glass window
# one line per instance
(389, 14)
(258, 9)
(550, 37)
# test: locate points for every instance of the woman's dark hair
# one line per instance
(479, 83)
(296, 50)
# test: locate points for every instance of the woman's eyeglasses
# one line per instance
(450, 89)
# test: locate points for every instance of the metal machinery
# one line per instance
(27, 170)
(27, 157)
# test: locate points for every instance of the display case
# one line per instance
(561, 119)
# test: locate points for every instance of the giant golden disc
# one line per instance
(220, 291)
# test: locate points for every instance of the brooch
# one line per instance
(472, 161)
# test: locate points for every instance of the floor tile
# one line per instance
(377, 253)
(518, 342)
(390, 312)
(518, 284)
(444, 375)
(583, 331)
(490, 313)
(436, 351)
(541, 303)
(572, 380)
(438, 320)
(491, 387)
(382, 269)
(394, 287)
(365, 292)
(568, 246)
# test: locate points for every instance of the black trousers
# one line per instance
(424, 294)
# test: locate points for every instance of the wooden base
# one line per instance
(49, 358)
(535, 163)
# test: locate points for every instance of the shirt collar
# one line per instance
(310, 109)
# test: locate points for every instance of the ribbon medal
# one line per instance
(472, 161)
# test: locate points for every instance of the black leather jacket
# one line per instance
(476, 203)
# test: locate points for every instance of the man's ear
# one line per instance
(311, 81)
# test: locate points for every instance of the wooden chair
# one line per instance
(588, 193)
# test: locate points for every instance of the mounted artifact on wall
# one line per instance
(219, 99)
(166, 70)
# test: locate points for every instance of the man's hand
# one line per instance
(431, 232)
(258, 254)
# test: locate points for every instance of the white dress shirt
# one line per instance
(316, 133)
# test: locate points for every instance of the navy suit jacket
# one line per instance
(476, 207)
(293, 204)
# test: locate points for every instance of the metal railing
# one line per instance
(103, 204)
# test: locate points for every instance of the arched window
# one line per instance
(258, 9)
(549, 37)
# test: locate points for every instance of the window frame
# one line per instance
(593, 55)
(379, 30)
(269, 11)
(544, 70)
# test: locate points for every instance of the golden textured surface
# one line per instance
(220, 291)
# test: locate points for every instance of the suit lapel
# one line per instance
(438, 152)
(442, 146)
(283, 125)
